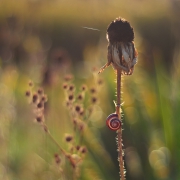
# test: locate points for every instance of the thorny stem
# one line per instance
(119, 132)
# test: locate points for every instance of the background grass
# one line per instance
(45, 40)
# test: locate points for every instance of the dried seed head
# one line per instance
(77, 147)
(77, 108)
(71, 97)
(81, 113)
(71, 87)
(30, 83)
(92, 90)
(40, 91)
(68, 137)
(28, 93)
(83, 149)
(34, 98)
(80, 97)
(121, 50)
(56, 155)
(44, 98)
(93, 100)
(120, 30)
(65, 86)
(40, 105)
(84, 87)
(39, 119)
(123, 56)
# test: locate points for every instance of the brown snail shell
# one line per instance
(113, 122)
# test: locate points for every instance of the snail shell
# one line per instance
(113, 122)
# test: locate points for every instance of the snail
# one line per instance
(113, 122)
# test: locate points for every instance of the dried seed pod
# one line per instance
(40, 105)
(57, 158)
(30, 83)
(65, 86)
(83, 149)
(80, 97)
(93, 90)
(34, 98)
(77, 108)
(94, 100)
(121, 50)
(71, 87)
(28, 93)
(40, 91)
(44, 98)
(113, 122)
(84, 87)
(68, 137)
(39, 118)
(71, 97)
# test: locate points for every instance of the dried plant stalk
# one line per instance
(122, 55)
(119, 131)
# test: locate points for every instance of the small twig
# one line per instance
(52, 138)
(62, 150)
(119, 131)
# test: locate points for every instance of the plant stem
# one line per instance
(52, 138)
(119, 131)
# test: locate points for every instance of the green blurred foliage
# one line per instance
(45, 40)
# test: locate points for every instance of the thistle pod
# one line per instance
(113, 122)
(122, 53)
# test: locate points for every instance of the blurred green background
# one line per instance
(42, 41)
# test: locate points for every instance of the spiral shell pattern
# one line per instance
(113, 122)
